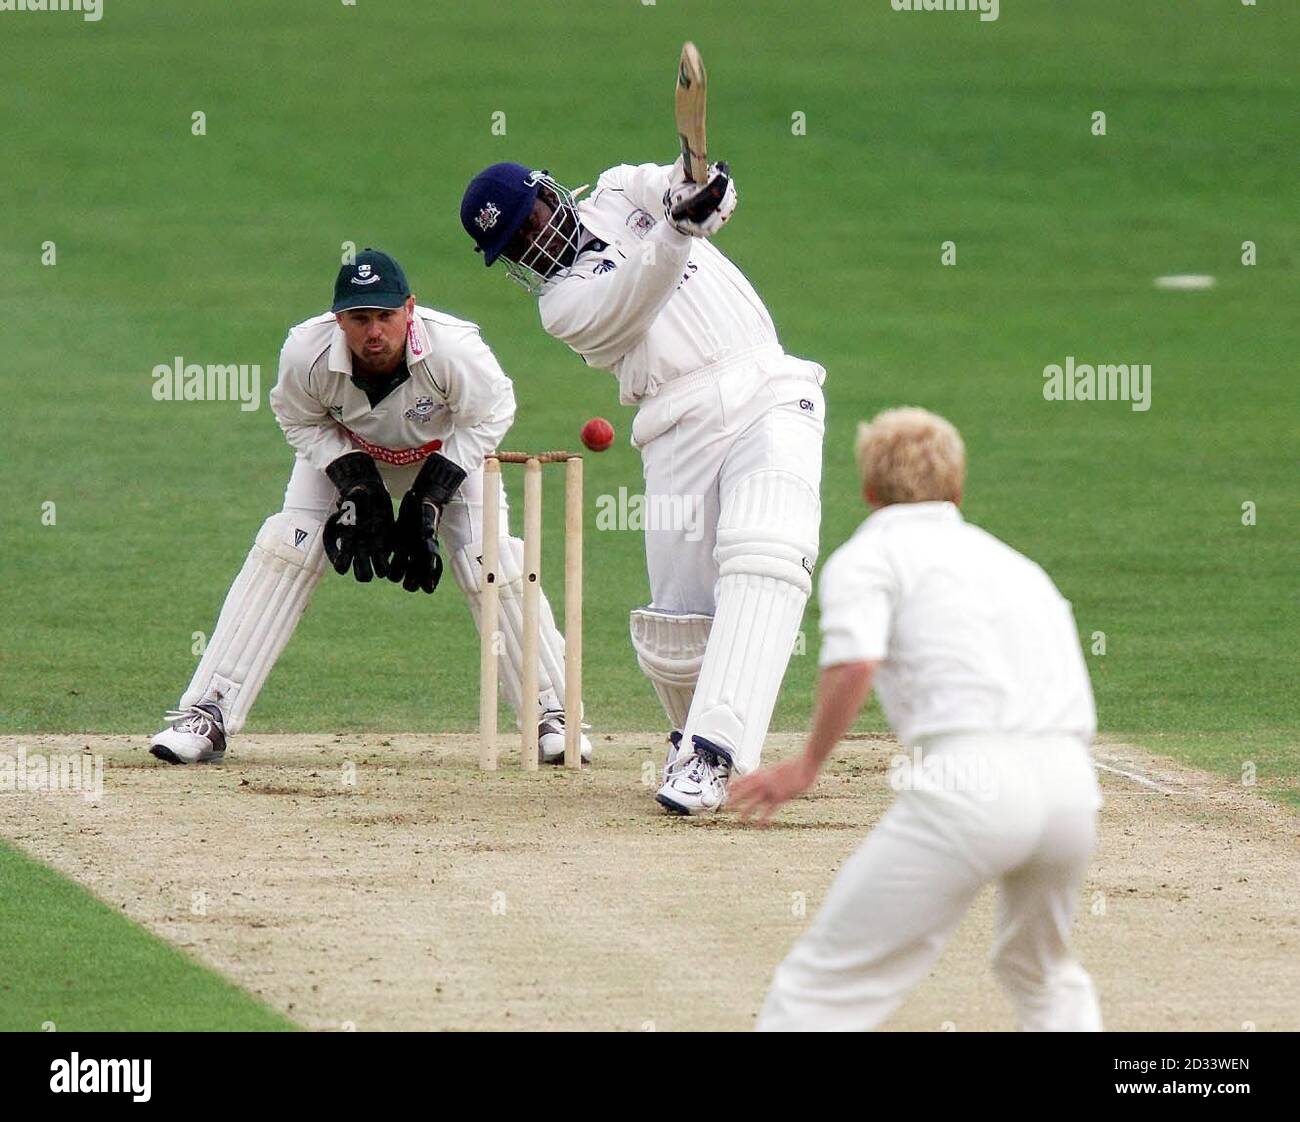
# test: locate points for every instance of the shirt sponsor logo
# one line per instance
(487, 217)
(605, 265)
(806, 405)
(641, 222)
(421, 411)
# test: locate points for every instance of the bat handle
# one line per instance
(686, 157)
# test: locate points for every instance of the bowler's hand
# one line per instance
(758, 795)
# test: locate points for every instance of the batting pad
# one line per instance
(670, 650)
(767, 544)
(467, 568)
(261, 611)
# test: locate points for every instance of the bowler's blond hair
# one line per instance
(910, 456)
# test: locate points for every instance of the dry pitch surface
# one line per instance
(384, 883)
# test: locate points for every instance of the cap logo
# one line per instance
(364, 275)
(487, 217)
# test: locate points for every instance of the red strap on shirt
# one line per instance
(397, 456)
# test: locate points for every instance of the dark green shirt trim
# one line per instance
(376, 390)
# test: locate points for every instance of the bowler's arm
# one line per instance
(842, 690)
(841, 693)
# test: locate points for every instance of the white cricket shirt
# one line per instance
(971, 635)
(457, 400)
(654, 304)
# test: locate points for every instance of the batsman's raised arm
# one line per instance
(621, 296)
(624, 291)
(644, 184)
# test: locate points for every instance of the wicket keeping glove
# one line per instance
(358, 533)
(417, 561)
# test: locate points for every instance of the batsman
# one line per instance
(726, 423)
(380, 399)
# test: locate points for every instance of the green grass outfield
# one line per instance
(328, 122)
(100, 972)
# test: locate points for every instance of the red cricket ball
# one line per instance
(598, 434)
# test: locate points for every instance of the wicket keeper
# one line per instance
(379, 398)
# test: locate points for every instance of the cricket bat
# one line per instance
(690, 100)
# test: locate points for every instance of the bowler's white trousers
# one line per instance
(1025, 817)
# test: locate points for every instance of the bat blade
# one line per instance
(691, 99)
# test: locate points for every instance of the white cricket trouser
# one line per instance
(1020, 811)
(732, 456)
(701, 436)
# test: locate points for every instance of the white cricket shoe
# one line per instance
(550, 739)
(197, 735)
(698, 782)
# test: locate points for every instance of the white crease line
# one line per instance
(1133, 776)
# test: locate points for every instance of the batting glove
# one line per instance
(700, 210)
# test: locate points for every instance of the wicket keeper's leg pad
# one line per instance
(670, 650)
(467, 568)
(767, 546)
(259, 615)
